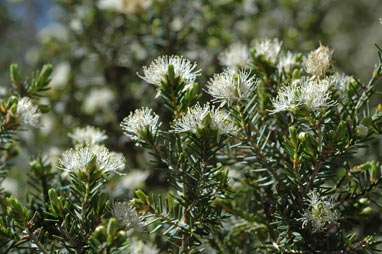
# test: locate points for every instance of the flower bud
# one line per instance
(361, 131)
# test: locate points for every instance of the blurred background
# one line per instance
(97, 47)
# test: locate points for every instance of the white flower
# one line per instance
(98, 99)
(287, 98)
(236, 56)
(124, 6)
(318, 61)
(320, 212)
(127, 216)
(208, 116)
(229, 87)
(158, 69)
(27, 113)
(315, 94)
(286, 62)
(88, 135)
(311, 93)
(270, 49)
(131, 181)
(138, 123)
(139, 247)
(341, 83)
(79, 157)
(60, 75)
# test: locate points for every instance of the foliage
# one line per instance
(268, 155)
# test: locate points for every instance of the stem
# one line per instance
(34, 239)
(318, 163)
(256, 148)
(84, 204)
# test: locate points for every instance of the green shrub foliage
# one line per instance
(263, 159)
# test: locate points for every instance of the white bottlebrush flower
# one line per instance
(341, 83)
(158, 69)
(287, 98)
(127, 216)
(320, 212)
(79, 157)
(318, 61)
(98, 99)
(311, 93)
(268, 48)
(235, 56)
(139, 247)
(286, 62)
(229, 87)
(138, 123)
(88, 135)
(27, 113)
(198, 117)
(315, 94)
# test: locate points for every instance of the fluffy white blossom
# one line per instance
(318, 61)
(311, 93)
(139, 247)
(320, 212)
(88, 135)
(286, 62)
(156, 72)
(127, 216)
(315, 94)
(207, 116)
(341, 83)
(287, 98)
(27, 113)
(138, 123)
(79, 157)
(98, 99)
(235, 56)
(268, 48)
(130, 182)
(229, 87)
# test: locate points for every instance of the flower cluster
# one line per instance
(287, 98)
(320, 212)
(341, 83)
(270, 49)
(79, 157)
(127, 216)
(137, 125)
(315, 94)
(88, 135)
(198, 118)
(27, 113)
(158, 70)
(236, 56)
(318, 61)
(311, 93)
(286, 62)
(229, 87)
